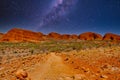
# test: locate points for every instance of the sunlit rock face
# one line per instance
(54, 35)
(20, 35)
(90, 36)
(1, 34)
(111, 36)
(65, 37)
(73, 36)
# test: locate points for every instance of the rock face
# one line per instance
(111, 36)
(20, 35)
(1, 34)
(90, 36)
(74, 36)
(65, 37)
(54, 35)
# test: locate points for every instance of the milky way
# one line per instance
(62, 16)
(59, 9)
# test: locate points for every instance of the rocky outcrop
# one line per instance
(90, 36)
(111, 36)
(65, 37)
(1, 34)
(20, 35)
(54, 35)
(73, 36)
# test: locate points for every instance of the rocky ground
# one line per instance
(96, 63)
(28, 55)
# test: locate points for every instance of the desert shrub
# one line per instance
(53, 46)
(0, 58)
(31, 51)
(15, 52)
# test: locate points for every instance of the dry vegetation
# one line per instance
(60, 60)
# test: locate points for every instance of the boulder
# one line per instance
(21, 74)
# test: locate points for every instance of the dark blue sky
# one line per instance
(63, 16)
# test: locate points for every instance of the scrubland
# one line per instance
(61, 60)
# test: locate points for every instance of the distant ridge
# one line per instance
(21, 35)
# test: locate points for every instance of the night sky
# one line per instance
(62, 16)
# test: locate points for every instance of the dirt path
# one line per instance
(52, 69)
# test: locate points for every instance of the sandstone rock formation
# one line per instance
(65, 37)
(54, 35)
(73, 36)
(90, 36)
(20, 35)
(111, 36)
(1, 34)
